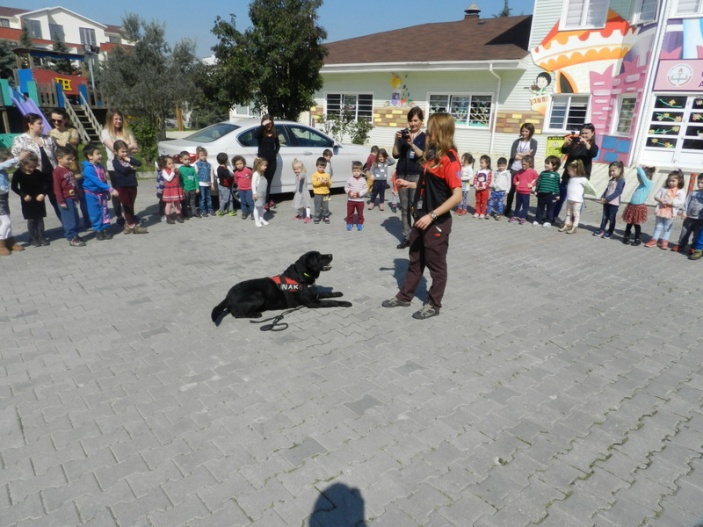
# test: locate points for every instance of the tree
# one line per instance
(25, 39)
(8, 61)
(274, 65)
(62, 65)
(147, 81)
(505, 11)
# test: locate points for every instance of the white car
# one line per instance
(236, 137)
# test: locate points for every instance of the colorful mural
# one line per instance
(400, 95)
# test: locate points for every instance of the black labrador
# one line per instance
(293, 288)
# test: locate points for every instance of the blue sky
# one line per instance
(341, 18)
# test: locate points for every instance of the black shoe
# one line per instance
(120, 220)
(76, 242)
(427, 311)
(404, 244)
(35, 243)
(107, 235)
(626, 239)
(636, 242)
(100, 235)
(44, 242)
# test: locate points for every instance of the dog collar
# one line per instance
(287, 284)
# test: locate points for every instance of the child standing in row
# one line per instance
(225, 186)
(574, 195)
(124, 166)
(692, 217)
(380, 174)
(67, 194)
(669, 200)
(321, 183)
(7, 242)
(190, 184)
(524, 181)
(206, 182)
(173, 193)
(328, 154)
(611, 199)
(635, 214)
(500, 185)
(97, 191)
(355, 189)
(482, 183)
(467, 177)
(242, 180)
(160, 187)
(31, 185)
(547, 190)
(258, 185)
(301, 199)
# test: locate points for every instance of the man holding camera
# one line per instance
(408, 149)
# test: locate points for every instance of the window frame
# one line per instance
(57, 30)
(696, 12)
(4, 22)
(466, 122)
(565, 128)
(638, 19)
(33, 28)
(368, 107)
(616, 125)
(583, 23)
(83, 31)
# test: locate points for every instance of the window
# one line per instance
(645, 11)
(308, 137)
(4, 22)
(34, 28)
(212, 133)
(88, 36)
(114, 39)
(676, 122)
(568, 112)
(361, 105)
(579, 14)
(56, 33)
(473, 111)
(625, 115)
(689, 7)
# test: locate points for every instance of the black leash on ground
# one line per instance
(276, 325)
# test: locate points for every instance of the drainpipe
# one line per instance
(495, 115)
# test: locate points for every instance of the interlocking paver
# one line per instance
(564, 387)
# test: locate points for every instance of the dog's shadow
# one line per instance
(394, 227)
(400, 269)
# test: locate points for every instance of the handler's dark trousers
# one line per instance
(428, 248)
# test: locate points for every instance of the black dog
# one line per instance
(293, 288)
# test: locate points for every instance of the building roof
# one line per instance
(471, 39)
(9, 12)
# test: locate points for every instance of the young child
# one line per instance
(547, 190)
(126, 185)
(371, 159)
(7, 242)
(206, 182)
(356, 190)
(482, 183)
(31, 186)
(225, 186)
(692, 217)
(380, 175)
(467, 177)
(97, 191)
(574, 196)
(173, 191)
(500, 185)
(242, 180)
(188, 179)
(636, 211)
(160, 187)
(524, 180)
(321, 183)
(670, 199)
(258, 185)
(395, 198)
(67, 194)
(611, 199)
(328, 154)
(301, 199)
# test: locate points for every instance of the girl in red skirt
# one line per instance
(173, 192)
(636, 211)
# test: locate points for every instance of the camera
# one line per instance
(575, 135)
(405, 133)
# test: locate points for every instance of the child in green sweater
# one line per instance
(190, 184)
(547, 190)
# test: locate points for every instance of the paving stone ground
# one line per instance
(561, 385)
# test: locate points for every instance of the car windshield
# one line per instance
(212, 133)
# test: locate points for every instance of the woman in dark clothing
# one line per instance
(267, 139)
(408, 148)
(525, 145)
(583, 147)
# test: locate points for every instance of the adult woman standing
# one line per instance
(34, 140)
(582, 147)
(408, 149)
(525, 145)
(115, 128)
(267, 139)
(438, 191)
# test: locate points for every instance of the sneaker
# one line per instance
(100, 236)
(678, 249)
(349, 226)
(127, 230)
(359, 227)
(497, 218)
(546, 225)
(220, 213)
(258, 224)
(163, 218)
(326, 220)
(380, 207)
(170, 220)
(264, 222)
(427, 311)
(487, 217)
(44, 242)
(512, 220)
(203, 215)
(535, 223)
(108, 235)
(395, 302)
(482, 217)
(141, 230)
(76, 242)
(296, 217)
(523, 221)
(232, 213)
(606, 236)
(245, 215)
(475, 214)
(179, 218)
(697, 254)
(394, 209)
(651, 243)
(316, 222)
(306, 220)
(598, 233)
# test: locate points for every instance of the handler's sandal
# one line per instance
(427, 311)
(395, 302)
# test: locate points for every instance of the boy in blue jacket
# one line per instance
(97, 191)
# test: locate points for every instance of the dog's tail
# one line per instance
(218, 311)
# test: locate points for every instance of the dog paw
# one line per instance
(345, 304)
(336, 294)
